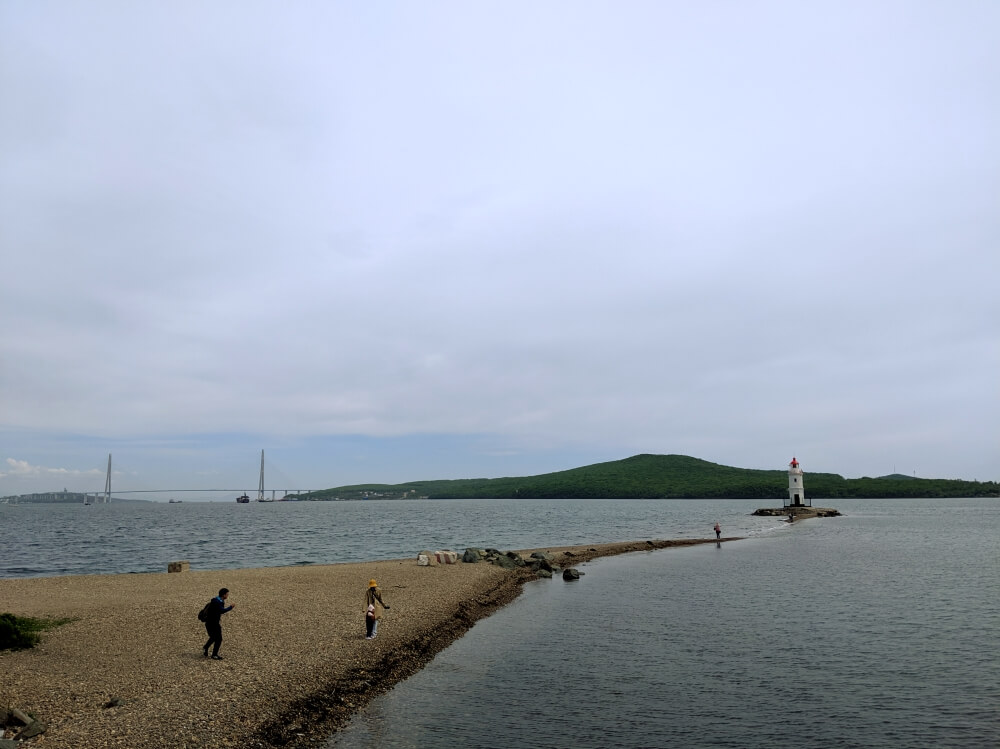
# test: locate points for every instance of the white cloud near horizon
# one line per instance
(562, 233)
(23, 468)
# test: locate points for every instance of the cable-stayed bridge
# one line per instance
(261, 496)
(261, 491)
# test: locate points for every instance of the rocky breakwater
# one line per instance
(798, 513)
(538, 563)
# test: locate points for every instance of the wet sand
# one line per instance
(296, 663)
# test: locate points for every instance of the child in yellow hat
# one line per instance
(374, 608)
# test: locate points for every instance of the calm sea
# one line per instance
(877, 629)
(59, 539)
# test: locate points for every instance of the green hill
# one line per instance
(662, 477)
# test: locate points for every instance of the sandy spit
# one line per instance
(296, 663)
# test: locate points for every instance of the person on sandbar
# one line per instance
(374, 598)
(213, 623)
(718, 531)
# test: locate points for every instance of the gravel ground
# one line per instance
(296, 663)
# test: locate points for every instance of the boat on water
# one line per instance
(243, 499)
(175, 501)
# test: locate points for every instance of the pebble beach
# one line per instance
(129, 671)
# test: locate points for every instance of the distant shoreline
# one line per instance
(296, 666)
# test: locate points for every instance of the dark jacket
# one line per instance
(216, 608)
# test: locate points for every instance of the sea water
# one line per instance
(877, 629)
(60, 539)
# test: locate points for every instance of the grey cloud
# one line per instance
(653, 229)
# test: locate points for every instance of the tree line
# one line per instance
(663, 477)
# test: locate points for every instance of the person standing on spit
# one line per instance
(374, 599)
(213, 624)
(718, 531)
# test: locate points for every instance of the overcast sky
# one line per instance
(389, 241)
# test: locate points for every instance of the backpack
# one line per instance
(203, 614)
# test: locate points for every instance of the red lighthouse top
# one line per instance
(794, 463)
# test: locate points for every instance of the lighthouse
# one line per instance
(796, 490)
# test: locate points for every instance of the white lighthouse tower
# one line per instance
(796, 489)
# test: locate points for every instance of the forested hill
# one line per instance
(664, 477)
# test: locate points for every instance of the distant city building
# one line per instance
(63, 497)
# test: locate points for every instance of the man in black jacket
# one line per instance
(216, 608)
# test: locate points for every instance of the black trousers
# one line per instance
(214, 630)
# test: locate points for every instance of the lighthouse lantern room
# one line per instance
(796, 490)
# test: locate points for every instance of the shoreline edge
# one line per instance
(128, 671)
